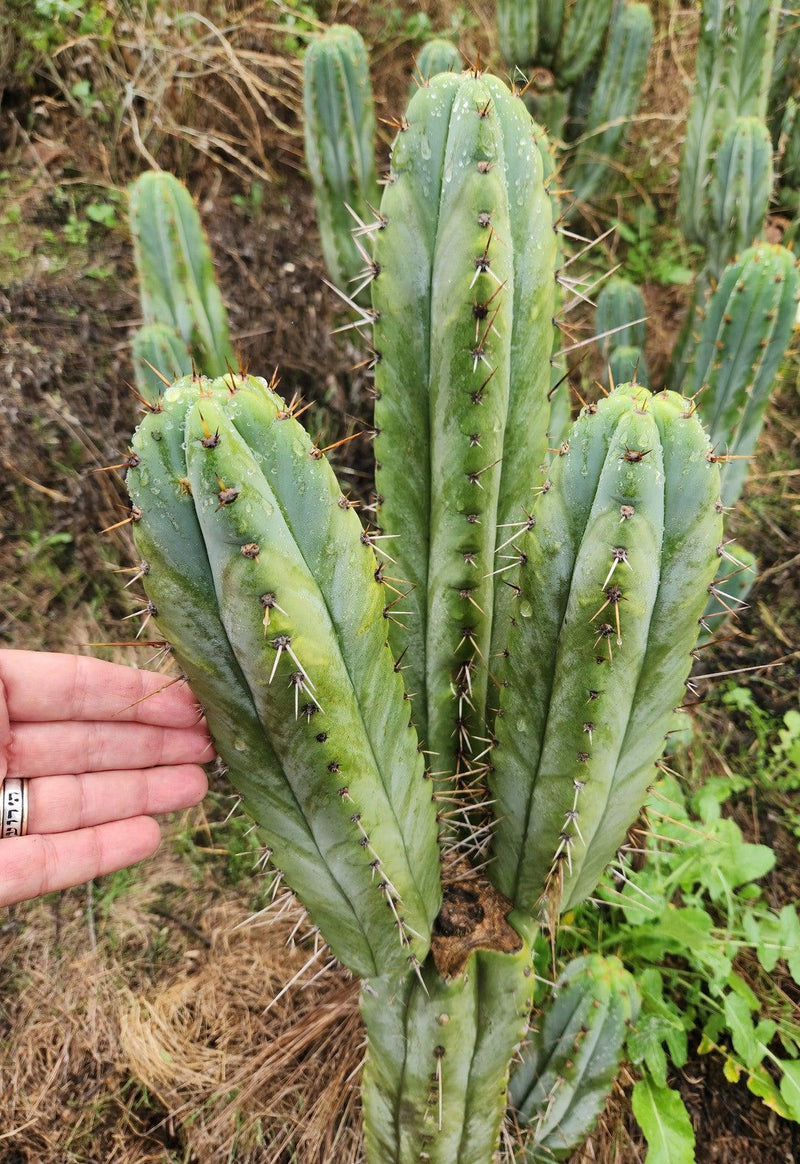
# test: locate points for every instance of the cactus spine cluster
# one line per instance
(547, 622)
(339, 121)
(177, 287)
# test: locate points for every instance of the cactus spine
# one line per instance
(177, 287)
(340, 147)
(571, 1059)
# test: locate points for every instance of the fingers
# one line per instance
(43, 686)
(58, 804)
(32, 865)
(49, 749)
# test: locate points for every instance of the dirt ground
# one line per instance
(134, 1025)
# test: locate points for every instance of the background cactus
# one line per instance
(571, 1057)
(158, 346)
(620, 322)
(436, 56)
(587, 60)
(742, 340)
(340, 147)
(177, 287)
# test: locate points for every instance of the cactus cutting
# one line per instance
(503, 695)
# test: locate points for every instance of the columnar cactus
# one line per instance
(732, 76)
(588, 60)
(615, 578)
(340, 147)
(177, 287)
(436, 56)
(158, 346)
(620, 322)
(462, 313)
(548, 638)
(571, 1057)
(742, 339)
(614, 98)
(260, 575)
(739, 192)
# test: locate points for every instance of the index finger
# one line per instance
(41, 686)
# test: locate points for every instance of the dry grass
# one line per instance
(123, 1035)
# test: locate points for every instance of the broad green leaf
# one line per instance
(662, 1116)
(743, 1034)
(790, 940)
(790, 1087)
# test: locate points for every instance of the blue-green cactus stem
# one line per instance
(462, 309)
(742, 340)
(436, 56)
(339, 121)
(263, 580)
(158, 346)
(615, 98)
(518, 32)
(581, 38)
(177, 287)
(732, 76)
(572, 1055)
(439, 1051)
(739, 193)
(615, 579)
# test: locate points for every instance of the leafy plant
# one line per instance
(690, 924)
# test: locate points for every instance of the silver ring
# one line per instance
(14, 807)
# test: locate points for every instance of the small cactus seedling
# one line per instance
(436, 56)
(571, 1057)
(340, 148)
(177, 287)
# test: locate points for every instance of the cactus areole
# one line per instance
(515, 725)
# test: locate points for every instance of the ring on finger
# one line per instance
(14, 807)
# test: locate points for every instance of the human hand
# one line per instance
(102, 746)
